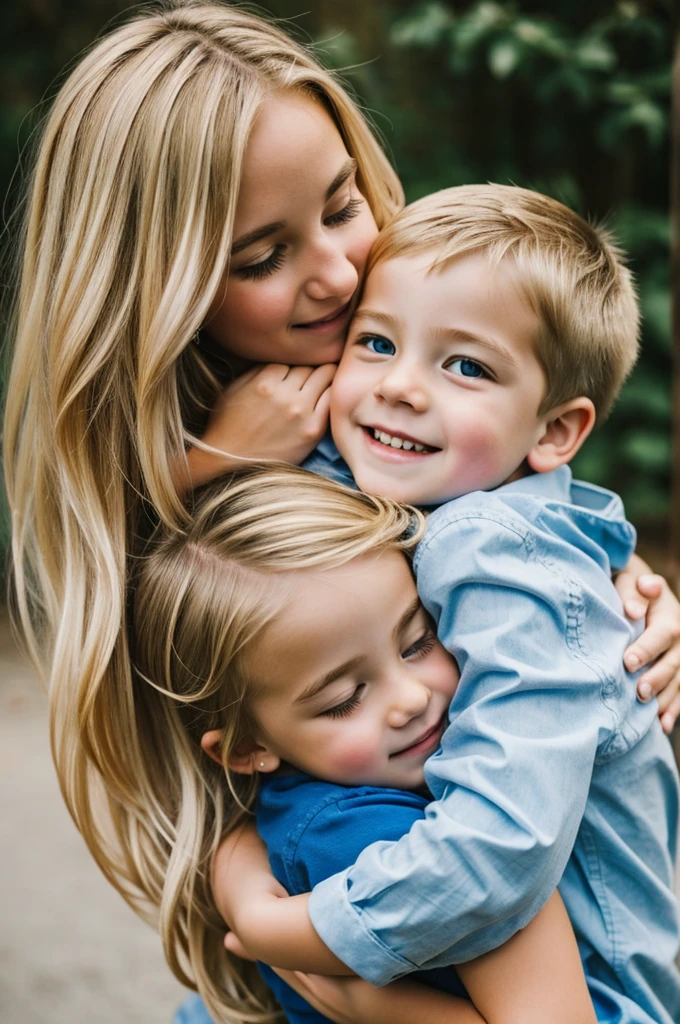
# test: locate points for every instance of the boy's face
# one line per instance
(438, 390)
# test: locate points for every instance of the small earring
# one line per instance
(261, 764)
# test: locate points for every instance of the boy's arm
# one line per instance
(535, 977)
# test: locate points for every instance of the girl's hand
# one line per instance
(645, 592)
(270, 412)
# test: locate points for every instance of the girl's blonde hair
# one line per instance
(127, 238)
(202, 598)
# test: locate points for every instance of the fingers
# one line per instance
(669, 717)
(662, 679)
(650, 585)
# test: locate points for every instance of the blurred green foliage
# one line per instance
(569, 97)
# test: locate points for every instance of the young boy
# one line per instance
(494, 329)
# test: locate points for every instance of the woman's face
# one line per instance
(301, 237)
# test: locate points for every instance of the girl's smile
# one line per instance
(301, 237)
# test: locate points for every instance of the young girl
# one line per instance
(203, 201)
(331, 735)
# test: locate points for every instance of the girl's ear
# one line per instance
(566, 428)
(246, 758)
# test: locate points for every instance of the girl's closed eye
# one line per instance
(422, 646)
(464, 366)
(377, 344)
(347, 706)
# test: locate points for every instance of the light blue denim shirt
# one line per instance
(550, 772)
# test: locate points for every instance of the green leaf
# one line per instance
(504, 57)
(425, 27)
(648, 449)
(594, 54)
(477, 24)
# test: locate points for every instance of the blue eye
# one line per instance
(381, 346)
(467, 368)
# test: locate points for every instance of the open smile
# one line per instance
(326, 322)
(391, 444)
(428, 741)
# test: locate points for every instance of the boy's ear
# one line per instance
(565, 429)
(247, 757)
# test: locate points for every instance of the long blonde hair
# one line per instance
(202, 598)
(127, 237)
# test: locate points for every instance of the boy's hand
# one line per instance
(644, 592)
(270, 412)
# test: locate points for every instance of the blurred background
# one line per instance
(571, 97)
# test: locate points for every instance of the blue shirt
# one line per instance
(313, 829)
(551, 772)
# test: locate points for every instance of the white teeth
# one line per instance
(397, 442)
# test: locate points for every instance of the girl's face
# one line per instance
(301, 237)
(350, 682)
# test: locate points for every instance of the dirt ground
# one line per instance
(71, 951)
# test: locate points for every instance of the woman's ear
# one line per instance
(566, 428)
(247, 757)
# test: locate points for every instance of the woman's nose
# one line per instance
(332, 274)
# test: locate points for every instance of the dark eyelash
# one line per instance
(347, 213)
(422, 646)
(346, 708)
(255, 271)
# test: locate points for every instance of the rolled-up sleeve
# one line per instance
(539, 642)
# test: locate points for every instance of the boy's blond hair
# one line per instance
(572, 273)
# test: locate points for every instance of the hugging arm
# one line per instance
(536, 976)
(512, 778)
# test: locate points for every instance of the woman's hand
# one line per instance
(644, 592)
(270, 412)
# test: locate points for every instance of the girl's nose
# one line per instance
(401, 384)
(410, 700)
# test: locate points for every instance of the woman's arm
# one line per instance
(535, 977)
(270, 412)
(644, 592)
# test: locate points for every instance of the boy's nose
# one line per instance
(401, 385)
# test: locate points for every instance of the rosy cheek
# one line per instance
(352, 756)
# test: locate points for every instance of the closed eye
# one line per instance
(256, 271)
(344, 215)
(344, 709)
(422, 646)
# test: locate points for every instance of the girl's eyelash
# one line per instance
(347, 706)
(255, 271)
(422, 646)
(347, 213)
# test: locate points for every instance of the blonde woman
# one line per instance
(203, 200)
(222, 615)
